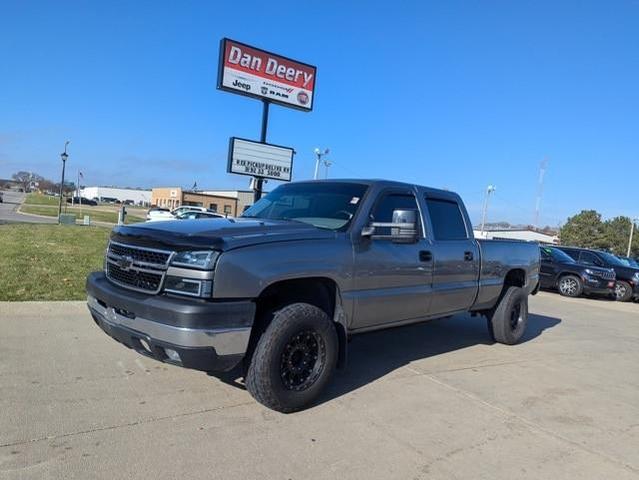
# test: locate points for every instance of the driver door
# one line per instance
(392, 280)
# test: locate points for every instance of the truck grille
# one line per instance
(137, 268)
(608, 275)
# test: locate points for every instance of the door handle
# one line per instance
(468, 256)
(425, 256)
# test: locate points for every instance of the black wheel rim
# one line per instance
(515, 316)
(302, 360)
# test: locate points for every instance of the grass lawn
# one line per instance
(48, 262)
(37, 199)
(96, 215)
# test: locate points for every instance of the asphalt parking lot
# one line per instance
(9, 206)
(434, 401)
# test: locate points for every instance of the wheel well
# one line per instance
(515, 278)
(318, 291)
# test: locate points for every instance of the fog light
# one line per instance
(146, 346)
(172, 354)
(186, 286)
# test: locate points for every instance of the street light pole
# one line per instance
(490, 189)
(632, 229)
(327, 164)
(64, 157)
(319, 154)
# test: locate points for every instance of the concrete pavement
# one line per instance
(9, 206)
(434, 401)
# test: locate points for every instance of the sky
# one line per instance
(449, 94)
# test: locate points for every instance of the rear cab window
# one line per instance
(447, 219)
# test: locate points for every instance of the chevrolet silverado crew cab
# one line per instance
(279, 291)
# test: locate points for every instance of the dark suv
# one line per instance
(560, 271)
(627, 284)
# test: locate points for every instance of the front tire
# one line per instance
(509, 319)
(623, 291)
(294, 358)
(570, 286)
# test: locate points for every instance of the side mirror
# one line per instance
(403, 228)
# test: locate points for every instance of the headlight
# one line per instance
(204, 260)
(590, 271)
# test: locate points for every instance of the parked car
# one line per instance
(631, 262)
(190, 215)
(82, 201)
(561, 272)
(157, 213)
(188, 208)
(278, 291)
(627, 283)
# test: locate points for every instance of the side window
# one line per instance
(589, 258)
(383, 211)
(545, 254)
(446, 217)
(572, 253)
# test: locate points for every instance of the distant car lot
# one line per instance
(429, 401)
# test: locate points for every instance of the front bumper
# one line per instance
(209, 336)
(598, 286)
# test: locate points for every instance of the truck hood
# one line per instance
(217, 234)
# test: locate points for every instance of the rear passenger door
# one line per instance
(455, 256)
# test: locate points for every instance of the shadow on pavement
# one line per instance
(376, 354)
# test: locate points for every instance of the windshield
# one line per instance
(558, 255)
(328, 205)
(611, 259)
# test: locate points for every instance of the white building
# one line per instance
(138, 197)
(525, 235)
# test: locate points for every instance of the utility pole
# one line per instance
(490, 189)
(319, 154)
(632, 229)
(64, 157)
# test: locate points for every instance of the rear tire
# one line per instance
(570, 286)
(623, 291)
(508, 321)
(294, 358)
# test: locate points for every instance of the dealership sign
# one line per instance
(260, 74)
(260, 159)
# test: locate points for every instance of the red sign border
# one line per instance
(220, 74)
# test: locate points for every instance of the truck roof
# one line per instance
(385, 183)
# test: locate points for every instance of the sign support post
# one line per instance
(259, 181)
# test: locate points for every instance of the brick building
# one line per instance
(229, 202)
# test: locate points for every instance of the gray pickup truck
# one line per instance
(279, 291)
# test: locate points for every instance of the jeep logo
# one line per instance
(125, 262)
(242, 85)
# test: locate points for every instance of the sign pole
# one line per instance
(259, 181)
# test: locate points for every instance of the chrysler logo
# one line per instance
(125, 262)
